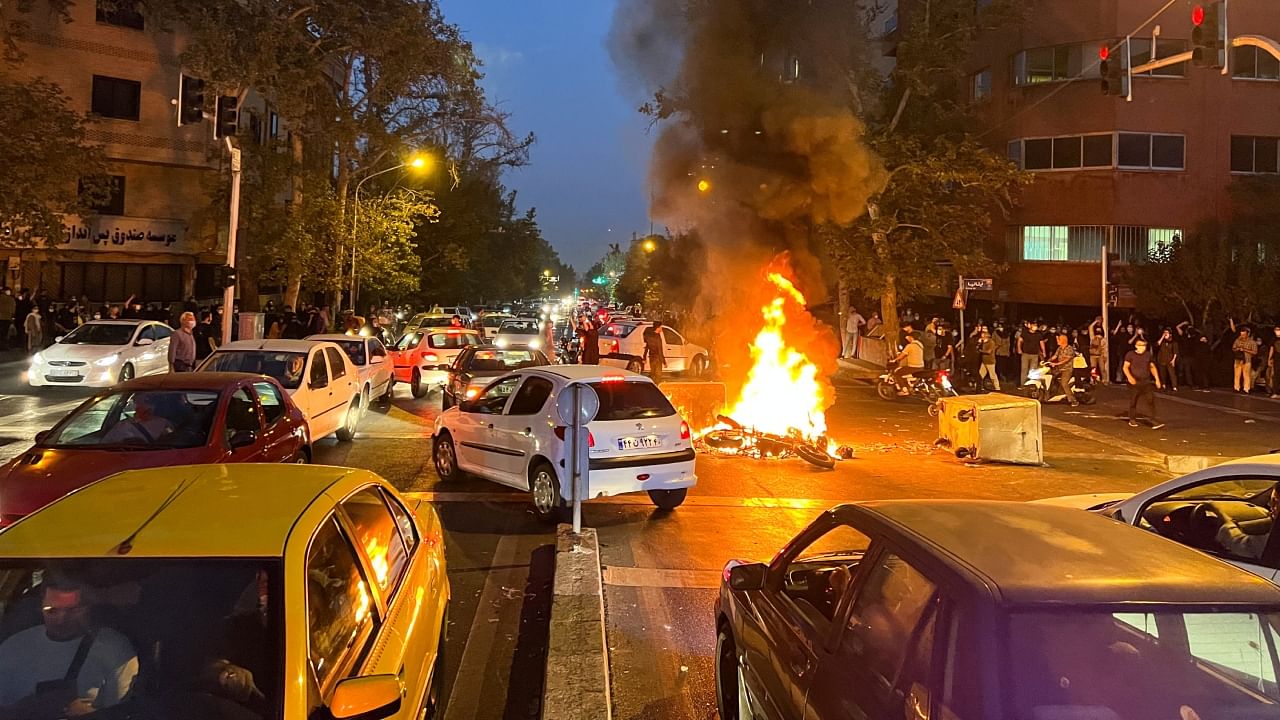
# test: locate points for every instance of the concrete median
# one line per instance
(577, 674)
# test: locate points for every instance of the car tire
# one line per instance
(668, 499)
(364, 398)
(544, 488)
(303, 457)
(390, 394)
(416, 386)
(433, 706)
(636, 366)
(730, 694)
(350, 422)
(126, 373)
(698, 368)
(445, 457)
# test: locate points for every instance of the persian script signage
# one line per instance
(125, 234)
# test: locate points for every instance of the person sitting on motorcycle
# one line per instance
(910, 362)
(1060, 363)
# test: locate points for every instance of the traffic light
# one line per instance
(224, 276)
(190, 100)
(1207, 38)
(228, 117)
(1113, 73)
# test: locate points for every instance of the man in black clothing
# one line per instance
(1140, 372)
(22, 308)
(654, 351)
(206, 335)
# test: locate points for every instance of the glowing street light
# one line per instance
(704, 186)
(419, 162)
(649, 246)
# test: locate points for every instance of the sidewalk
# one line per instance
(855, 370)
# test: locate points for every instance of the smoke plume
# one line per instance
(757, 143)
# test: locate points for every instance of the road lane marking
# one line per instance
(1221, 408)
(1105, 439)
(482, 639)
(694, 500)
(660, 577)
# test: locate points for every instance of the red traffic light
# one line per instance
(1197, 15)
(1104, 52)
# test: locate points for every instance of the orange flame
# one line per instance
(784, 390)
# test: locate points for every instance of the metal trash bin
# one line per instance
(994, 427)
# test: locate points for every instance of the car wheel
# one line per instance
(731, 695)
(416, 386)
(698, 368)
(364, 398)
(347, 432)
(445, 456)
(636, 366)
(545, 488)
(668, 499)
(126, 372)
(390, 394)
(433, 707)
(303, 457)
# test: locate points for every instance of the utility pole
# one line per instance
(229, 294)
(1106, 315)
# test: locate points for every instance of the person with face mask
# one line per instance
(1243, 351)
(1140, 371)
(182, 345)
(1167, 360)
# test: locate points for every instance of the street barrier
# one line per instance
(697, 402)
(995, 427)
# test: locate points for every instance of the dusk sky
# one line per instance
(546, 63)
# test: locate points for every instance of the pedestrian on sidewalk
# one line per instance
(8, 306)
(1273, 359)
(1167, 360)
(853, 325)
(1140, 372)
(1062, 363)
(987, 354)
(33, 330)
(1243, 351)
(182, 345)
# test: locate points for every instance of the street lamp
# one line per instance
(704, 186)
(649, 246)
(420, 162)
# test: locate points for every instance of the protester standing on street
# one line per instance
(653, 351)
(182, 345)
(206, 336)
(8, 306)
(33, 328)
(1202, 357)
(1243, 350)
(1004, 349)
(853, 325)
(1167, 360)
(1062, 364)
(589, 342)
(1273, 359)
(1140, 372)
(987, 355)
(1030, 346)
(21, 308)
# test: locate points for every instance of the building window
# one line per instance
(273, 125)
(1162, 237)
(116, 98)
(1052, 64)
(114, 205)
(1149, 151)
(1084, 243)
(980, 85)
(1044, 242)
(119, 13)
(1255, 154)
(1254, 63)
(1070, 152)
(1140, 52)
(1015, 152)
(1098, 151)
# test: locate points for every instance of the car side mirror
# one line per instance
(468, 406)
(59, 338)
(145, 341)
(445, 367)
(750, 576)
(243, 438)
(42, 436)
(369, 697)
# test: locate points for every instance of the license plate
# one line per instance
(65, 372)
(639, 443)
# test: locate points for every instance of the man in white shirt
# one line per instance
(853, 325)
(65, 667)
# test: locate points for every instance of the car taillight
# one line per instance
(562, 432)
(942, 375)
(684, 431)
(431, 357)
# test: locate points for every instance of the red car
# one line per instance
(171, 419)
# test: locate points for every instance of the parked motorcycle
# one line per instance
(1042, 385)
(734, 439)
(927, 385)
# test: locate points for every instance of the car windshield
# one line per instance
(450, 340)
(1134, 665)
(354, 350)
(286, 367)
(1229, 489)
(631, 400)
(494, 320)
(166, 638)
(499, 361)
(518, 327)
(99, 334)
(617, 330)
(436, 322)
(142, 420)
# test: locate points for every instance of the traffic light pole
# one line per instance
(1105, 360)
(229, 294)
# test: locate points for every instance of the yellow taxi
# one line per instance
(225, 592)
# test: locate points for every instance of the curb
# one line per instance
(1183, 464)
(576, 686)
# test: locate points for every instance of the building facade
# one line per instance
(155, 240)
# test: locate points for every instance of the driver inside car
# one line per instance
(1248, 539)
(145, 426)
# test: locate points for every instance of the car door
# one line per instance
(343, 378)
(163, 334)
(516, 430)
(377, 356)
(324, 412)
(474, 436)
(883, 664)
(794, 626)
(673, 348)
(142, 351)
(279, 442)
(241, 419)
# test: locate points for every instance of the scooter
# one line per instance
(928, 385)
(1042, 385)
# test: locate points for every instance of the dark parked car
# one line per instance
(477, 366)
(961, 610)
(156, 421)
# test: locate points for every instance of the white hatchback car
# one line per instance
(511, 434)
(101, 353)
(1190, 509)
(520, 331)
(622, 345)
(319, 377)
(369, 355)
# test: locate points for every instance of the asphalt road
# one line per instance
(661, 568)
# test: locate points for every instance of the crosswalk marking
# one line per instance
(660, 577)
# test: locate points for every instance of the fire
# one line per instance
(784, 390)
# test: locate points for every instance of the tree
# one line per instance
(388, 259)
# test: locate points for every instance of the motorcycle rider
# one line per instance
(910, 362)
(1060, 363)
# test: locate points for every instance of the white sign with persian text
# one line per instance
(125, 234)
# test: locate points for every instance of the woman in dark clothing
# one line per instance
(589, 341)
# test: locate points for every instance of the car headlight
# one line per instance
(501, 342)
(535, 344)
(473, 391)
(107, 361)
(37, 359)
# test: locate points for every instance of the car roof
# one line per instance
(121, 321)
(271, 345)
(1030, 554)
(585, 373)
(217, 510)
(335, 337)
(187, 381)
(447, 330)
(1270, 459)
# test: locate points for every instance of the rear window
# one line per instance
(617, 330)
(519, 327)
(631, 400)
(450, 341)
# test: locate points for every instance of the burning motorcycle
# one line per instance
(927, 385)
(1042, 385)
(734, 439)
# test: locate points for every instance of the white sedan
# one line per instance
(1192, 509)
(318, 376)
(511, 434)
(101, 353)
(369, 355)
(622, 345)
(520, 331)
